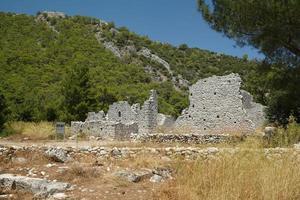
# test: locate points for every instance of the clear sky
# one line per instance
(170, 21)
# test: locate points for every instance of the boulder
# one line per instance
(37, 186)
(156, 178)
(133, 176)
(57, 154)
(270, 131)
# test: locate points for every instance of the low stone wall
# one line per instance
(189, 153)
(189, 138)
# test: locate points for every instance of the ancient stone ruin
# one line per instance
(121, 120)
(218, 105)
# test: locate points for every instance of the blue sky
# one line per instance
(170, 21)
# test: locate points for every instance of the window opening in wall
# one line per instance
(229, 81)
(119, 114)
(204, 128)
(189, 116)
(204, 119)
(191, 94)
(203, 108)
(193, 106)
(218, 116)
(215, 93)
(234, 122)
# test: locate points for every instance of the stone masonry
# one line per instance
(217, 104)
(121, 120)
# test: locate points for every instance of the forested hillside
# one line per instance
(59, 68)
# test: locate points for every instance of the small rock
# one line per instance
(73, 137)
(20, 160)
(59, 195)
(116, 152)
(163, 172)
(129, 176)
(50, 165)
(297, 146)
(133, 176)
(92, 138)
(270, 131)
(156, 178)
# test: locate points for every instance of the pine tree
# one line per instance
(78, 97)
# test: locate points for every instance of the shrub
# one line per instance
(286, 136)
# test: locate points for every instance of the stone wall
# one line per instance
(165, 120)
(122, 112)
(254, 111)
(92, 116)
(121, 120)
(98, 128)
(124, 131)
(147, 119)
(189, 138)
(216, 105)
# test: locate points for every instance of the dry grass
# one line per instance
(79, 170)
(33, 130)
(246, 175)
(142, 160)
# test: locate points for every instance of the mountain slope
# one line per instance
(38, 53)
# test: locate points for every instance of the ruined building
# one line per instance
(218, 105)
(121, 120)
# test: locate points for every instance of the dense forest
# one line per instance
(55, 68)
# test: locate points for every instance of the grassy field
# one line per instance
(246, 175)
(32, 130)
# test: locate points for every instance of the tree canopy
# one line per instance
(272, 26)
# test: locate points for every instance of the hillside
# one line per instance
(40, 54)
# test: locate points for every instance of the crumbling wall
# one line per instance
(148, 115)
(92, 116)
(121, 120)
(98, 128)
(216, 104)
(121, 112)
(255, 111)
(124, 131)
(165, 120)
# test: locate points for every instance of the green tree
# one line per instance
(272, 26)
(78, 98)
(3, 111)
